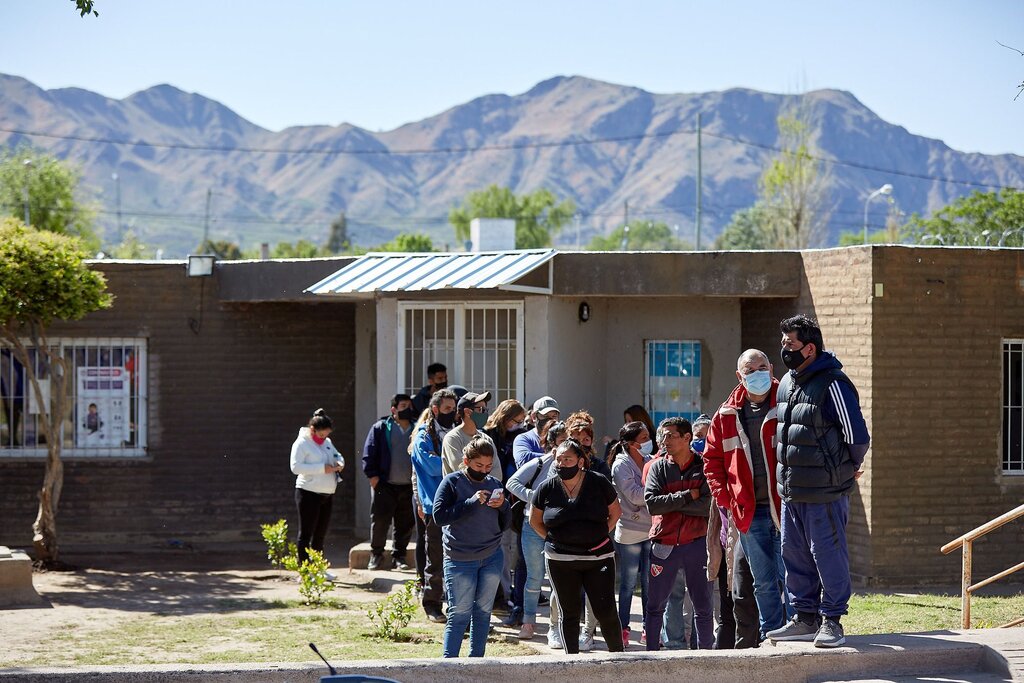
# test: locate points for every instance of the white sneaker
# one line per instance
(586, 642)
(555, 640)
(331, 576)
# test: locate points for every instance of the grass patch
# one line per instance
(281, 635)
(913, 613)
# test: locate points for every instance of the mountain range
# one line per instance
(186, 163)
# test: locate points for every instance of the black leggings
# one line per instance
(597, 578)
(314, 514)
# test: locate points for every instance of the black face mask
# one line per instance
(793, 358)
(475, 475)
(442, 385)
(446, 420)
(406, 414)
(567, 472)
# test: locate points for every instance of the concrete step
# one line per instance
(359, 555)
(981, 656)
(16, 589)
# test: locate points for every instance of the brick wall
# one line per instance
(225, 406)
(937, 387)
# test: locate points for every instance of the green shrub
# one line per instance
(393, 613)
(313, 581)
(279, 548)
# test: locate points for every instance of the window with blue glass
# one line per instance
(673, 379)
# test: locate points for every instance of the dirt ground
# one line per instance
(105, 590)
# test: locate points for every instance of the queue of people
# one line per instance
(753, 500)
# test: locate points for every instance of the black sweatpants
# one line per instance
(725, 638)
(314, 514)
(391, 503)
(744, 606)
(570, 578)
(433, 571)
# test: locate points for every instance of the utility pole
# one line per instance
(28, 169)
(206, 221)
(577, 217)
(625, 230)
(699, 192)
(120, 225)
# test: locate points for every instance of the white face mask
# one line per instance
(647, 447)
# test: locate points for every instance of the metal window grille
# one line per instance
(1013, 406)
(672, 386)
(107, 399)
(481, 345)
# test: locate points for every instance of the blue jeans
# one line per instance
(762, 545)
(817, 559)
(533, 551)
(471, 586)
(634, 562)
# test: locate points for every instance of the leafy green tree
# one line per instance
(131, 247)
(49, 186)
(300, 249)
(746, 231)
(794, 189)
(409, 243)
(337, 240)
(995, 217)
(538, 215)
(222, 249)
(85, 7)
(640, 236)
(44, 278)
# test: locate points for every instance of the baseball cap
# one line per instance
(544, 405)
(470, 399)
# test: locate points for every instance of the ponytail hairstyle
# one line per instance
(320, 420)
(478, 447)
(627, 434)
(576, 447)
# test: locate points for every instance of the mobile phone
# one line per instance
(495, 494)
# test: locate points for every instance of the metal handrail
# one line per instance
(967, 542)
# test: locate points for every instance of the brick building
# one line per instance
(226, 368)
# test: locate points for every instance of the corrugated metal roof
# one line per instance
(391, 272)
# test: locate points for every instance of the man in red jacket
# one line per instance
(739, 463)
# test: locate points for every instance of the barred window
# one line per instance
(107, 399)
(673, 379)
(1013, 406)
(480, 344)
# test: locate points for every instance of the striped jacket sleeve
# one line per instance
(844, 409)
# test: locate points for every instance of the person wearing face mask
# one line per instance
(437, 379)
(530, 445)
(470, 418)
(700, 433)
(574, 512)
(316, 463)
(820, 442)
(631, 452)
(740, 465)
(678, 498)
(426, 460)
(471, 507)
(388, 467)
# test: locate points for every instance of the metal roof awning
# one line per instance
(395, 272)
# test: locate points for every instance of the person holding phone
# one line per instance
(317, 464)
(471, 508)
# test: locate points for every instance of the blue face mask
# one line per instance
(698, 445)
(758, 382)
(647, 447)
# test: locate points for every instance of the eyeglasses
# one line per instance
(482, 410)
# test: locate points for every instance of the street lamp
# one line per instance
(884, 189)
(28, 167)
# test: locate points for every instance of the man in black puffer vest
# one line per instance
(821, 440)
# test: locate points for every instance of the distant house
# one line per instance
(224, 369)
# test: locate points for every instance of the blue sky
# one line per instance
(931, 66)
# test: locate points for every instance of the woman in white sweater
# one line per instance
(317, 463)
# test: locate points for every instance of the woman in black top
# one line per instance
(574, 512)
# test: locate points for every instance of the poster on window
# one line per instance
(102, 407)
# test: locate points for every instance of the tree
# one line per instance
(337, 240)
(538, 216)
(794, 188)
(409, 243)
(45, 279)
(222, 249)
(640, 236)
(301, 249)
(746, 231)
(979, 218)
(85, 7)
(131, 247)
(48, 186)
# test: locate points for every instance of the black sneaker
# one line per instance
(543, 599)
(375, 562)
(797, 629)
(830, 634)
(400, 565)
(435, 615)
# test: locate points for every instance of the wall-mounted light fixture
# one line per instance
(584, 312)
(200, 265)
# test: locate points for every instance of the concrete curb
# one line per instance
(863, 657)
